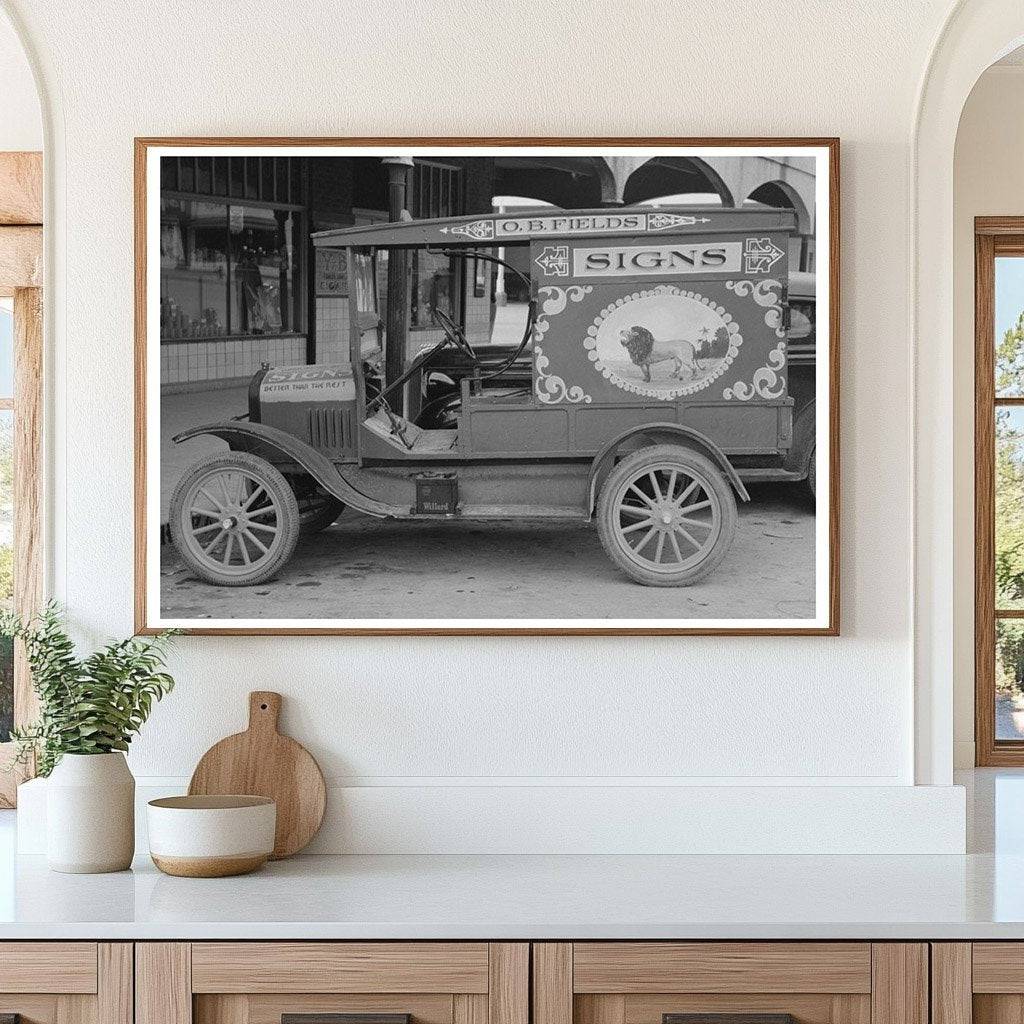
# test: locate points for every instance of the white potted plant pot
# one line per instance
(90, 814)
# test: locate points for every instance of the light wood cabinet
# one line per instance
(977, 983)
(66, 982)
(260, 982)
(511, 982)
(647, 982)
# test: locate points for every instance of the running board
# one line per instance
(522, 512)
(756, 474)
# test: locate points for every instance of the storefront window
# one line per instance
(262, 258)
(266, 178)
(193, 269)
(226, 270)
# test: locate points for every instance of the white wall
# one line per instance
(21, 124)
(443, 713)
(988, 181)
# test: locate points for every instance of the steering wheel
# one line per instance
(453, 333)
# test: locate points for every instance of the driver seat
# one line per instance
(416, 440)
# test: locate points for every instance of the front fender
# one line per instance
(658, 433)
(276, 446)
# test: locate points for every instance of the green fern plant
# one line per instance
(90, 705)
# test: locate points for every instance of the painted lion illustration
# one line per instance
(645, 352)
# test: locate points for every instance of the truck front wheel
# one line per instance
(234, 519)
(666, 516)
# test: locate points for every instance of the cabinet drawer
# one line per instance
(731, 982)
(66, 982)
(48, 967)
(998, 967)
(630, 967)
(340, 967)
(261, 982)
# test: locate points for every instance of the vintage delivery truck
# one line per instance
(650, 381)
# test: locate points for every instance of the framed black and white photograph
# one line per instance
(487, 386)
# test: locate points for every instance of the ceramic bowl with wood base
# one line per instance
(211, 836)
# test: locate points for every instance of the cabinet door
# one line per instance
(332, 983)
(733, 982)
(66, 982)
(980, 982)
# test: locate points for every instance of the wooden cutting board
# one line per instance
(262, 762)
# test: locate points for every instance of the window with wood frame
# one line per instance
(999, 490)
(6, 511)
(21, 351)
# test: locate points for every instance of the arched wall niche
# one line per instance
(986, 183)
(975, 34)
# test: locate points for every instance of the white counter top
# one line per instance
(531, 897)
(979, 896)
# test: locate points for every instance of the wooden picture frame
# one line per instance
(825, 620)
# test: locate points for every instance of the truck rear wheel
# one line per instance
(234, 519)
(666, 516)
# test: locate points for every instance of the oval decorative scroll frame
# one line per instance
(663, 342)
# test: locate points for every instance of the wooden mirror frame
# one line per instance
(21, 269)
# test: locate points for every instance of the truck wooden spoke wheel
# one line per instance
(234, 519)
(666, 516)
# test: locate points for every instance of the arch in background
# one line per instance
(673, 175)
(569, 182)
(782, 195)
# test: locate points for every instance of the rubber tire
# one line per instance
(812, 474)
(687, 459)
(279, 490)
(316, 520)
